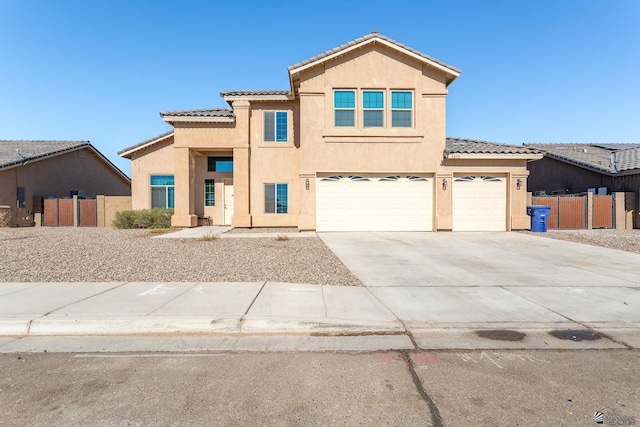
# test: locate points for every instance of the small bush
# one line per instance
(5, 216)
(282, 238)
(146, 218)
(209, 237)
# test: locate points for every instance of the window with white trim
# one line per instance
(276, 198)
(373, 108)
(344, 104)
(401, 109)
(162, 191)
(275, 126)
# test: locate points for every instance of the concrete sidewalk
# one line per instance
(281, 316)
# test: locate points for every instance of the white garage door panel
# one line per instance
(374, 204)
(479, 203)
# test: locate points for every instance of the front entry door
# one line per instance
(228, 203)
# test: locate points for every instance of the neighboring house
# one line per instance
(576, 168)
(33, 170)
(358, 142)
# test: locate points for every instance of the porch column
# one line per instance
(184, 179)
(241, 188)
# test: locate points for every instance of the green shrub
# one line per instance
(146, 218)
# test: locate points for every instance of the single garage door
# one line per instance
(479, 203)
(374, 203)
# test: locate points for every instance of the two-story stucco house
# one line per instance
(357, 143)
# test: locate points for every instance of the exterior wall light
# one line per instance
(444, 183)
(306, 184)
(518, 183)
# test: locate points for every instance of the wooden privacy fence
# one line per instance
(572, 212)
(80, 212)
(60, 213)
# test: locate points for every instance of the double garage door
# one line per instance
(406, 203)
(374, 203)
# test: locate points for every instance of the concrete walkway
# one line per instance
(444, 303)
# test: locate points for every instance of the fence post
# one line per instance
(619, 213)
(75, 216)
(589, 210)
(100, 210)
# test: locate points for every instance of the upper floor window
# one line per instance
(401, 109)
(275, 126)
(373, 108)
(219, 164)
(344, 104)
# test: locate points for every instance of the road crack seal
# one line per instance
(436, 419)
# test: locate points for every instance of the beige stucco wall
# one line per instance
(108, 206)
(154, 160)
(55, 177)
(316, 146)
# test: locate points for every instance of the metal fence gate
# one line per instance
(571, 212)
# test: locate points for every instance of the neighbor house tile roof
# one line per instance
(212, 112)
(365, 38)
(473, 146)
(607, 158)
(17, 152)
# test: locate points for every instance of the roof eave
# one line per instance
(127, 152)
(280, 97)
(188, 119)
(495, 156)
(582, 165)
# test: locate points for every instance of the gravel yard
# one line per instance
(65, 254)
(623, 240)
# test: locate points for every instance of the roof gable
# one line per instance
(295, 69)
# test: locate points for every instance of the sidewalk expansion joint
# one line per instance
(241, 321)
(83, 299)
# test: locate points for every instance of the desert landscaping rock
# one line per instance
(67, 254)
(623, 240)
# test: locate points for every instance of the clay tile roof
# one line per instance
(254, 93)
(17, 152)
(628, 159)
(607, 158)
(213, 112)
(473, 146)
(365, 38)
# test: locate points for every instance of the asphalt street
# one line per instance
(438, 388)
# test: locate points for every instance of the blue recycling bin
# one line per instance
(539, 217)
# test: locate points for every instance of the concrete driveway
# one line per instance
(480, 259)
(446, 286)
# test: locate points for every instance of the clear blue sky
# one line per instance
(532, 71)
